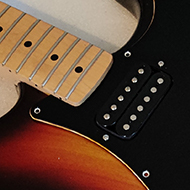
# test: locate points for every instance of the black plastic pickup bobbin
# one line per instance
(133, 101)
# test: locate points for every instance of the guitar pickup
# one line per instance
(133, 101)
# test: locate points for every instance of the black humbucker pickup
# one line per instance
(133, 101)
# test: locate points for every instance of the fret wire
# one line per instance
(72, 67)
(20, 41)
(5, 10)
(83, 74)
(60, 61)
(33, 49)
(47, 55)
(11, 27)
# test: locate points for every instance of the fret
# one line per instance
(73, 76)
(72, 67)
(11, 27)
(20, 41)
(3, 9)
(9, 20)
(94, 75)
(8, 44)
(60, 61)
(33, 49)
(46, 56)
(83, 74)
(22, 50)
(60, 50)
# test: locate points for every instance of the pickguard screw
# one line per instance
(106, 137)
(37, 110)
(127, 54)
(146, 174)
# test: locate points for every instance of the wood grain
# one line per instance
(33, 60)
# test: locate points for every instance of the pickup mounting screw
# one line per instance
(160, 63)
(106, 137)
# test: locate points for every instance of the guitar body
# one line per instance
(91, 147)
(39, 156)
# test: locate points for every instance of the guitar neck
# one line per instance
(50, 59)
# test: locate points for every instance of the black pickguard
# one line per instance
(163, 144)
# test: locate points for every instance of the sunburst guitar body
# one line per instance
(88, 119)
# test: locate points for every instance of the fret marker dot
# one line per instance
(28, 44)
(153, 89)
(113, 107)
(160, 81)
(133, 117)
(126, 127)
(147, 99)
(78, 69)
(141, 71)
(134, 80)
(54, 57)
(1, 29)
(128, 89)
(121, 98)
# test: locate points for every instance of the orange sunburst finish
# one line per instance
(39, 156)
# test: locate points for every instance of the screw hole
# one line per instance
(54, 57)
(1, 28)
(28, 44)
(78, 69)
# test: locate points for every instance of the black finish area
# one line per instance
(162, 145)
(1, 28)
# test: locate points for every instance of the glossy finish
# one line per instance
(39, 156)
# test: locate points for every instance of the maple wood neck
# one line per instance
(48, 58)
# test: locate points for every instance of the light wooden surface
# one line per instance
(73, 90)
(106, 24)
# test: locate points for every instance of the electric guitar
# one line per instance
(117, 121)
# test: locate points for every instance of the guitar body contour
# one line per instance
(135, 114)
(39, 156)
